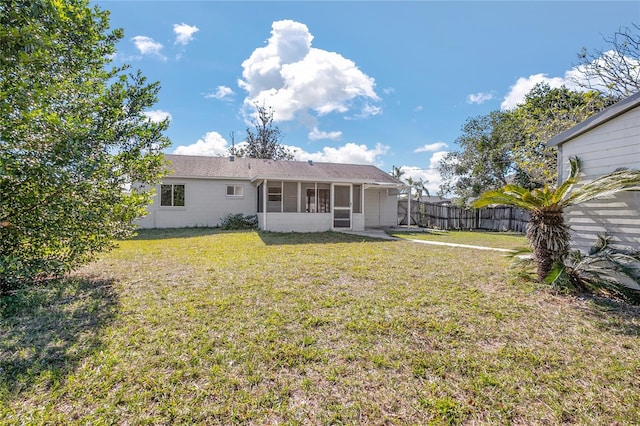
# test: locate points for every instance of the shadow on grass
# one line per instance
(167, 233)
(46, 332)
(329, 237)
(616, 317)
(269, 238)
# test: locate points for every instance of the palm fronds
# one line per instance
(547, 231)
(615, 270)
(609, 184)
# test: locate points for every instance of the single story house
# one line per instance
(605, 142)
(300, 196)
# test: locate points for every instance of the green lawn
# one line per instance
(206, 327)
(508, 240)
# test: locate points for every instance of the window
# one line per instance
(274, 197)
(172, 195)
(290, 197)
(310, 204)
(295, 197)
(324, 202)
(317, 198)
(235, 190)
(357, 194)
(260, 198)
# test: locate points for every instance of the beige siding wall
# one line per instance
(611, 145)
(206, 203)
(380, 208)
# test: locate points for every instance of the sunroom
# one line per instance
(309, 206)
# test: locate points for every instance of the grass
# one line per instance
(507, 240)
(206, 327)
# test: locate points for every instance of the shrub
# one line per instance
(606, 269)
(238, 221)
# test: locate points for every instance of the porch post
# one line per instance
(264, 204)
(409, 208)
(364, 216)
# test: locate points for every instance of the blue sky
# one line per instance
(384, 83)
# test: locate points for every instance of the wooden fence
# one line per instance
(443, 216)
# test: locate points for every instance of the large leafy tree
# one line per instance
(547, 231)
(484, 161)
(264, 139)
(510, 146)
(73, 139)
(544, 113)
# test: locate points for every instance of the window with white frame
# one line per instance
(171, 195)
(235, 190)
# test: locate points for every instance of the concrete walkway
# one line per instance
(439, 243)
(381, 233)
(372, 233)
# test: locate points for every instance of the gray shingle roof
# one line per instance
(188, 166)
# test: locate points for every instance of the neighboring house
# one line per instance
(605, 142)
(285, 195)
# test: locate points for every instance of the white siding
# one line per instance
(357, 221)
(380, 208)
(601, 150)
(206, 203)
(296, 222)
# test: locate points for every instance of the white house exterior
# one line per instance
(605, 142)
(285, 195)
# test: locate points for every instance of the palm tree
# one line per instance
(420, 187)
(397, 172)
(547, 231)
(410, 183)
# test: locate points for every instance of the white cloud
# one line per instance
(570, 80)
(523, 85)
(316, 134)
(148, 46)
(295, 78)
(429, 174)
(222, 92)
(479, 98)
(388, 90)
(609, 59)
(212, 144)
(369, 110)
(418, 108)
(349, 153)
(157, 115)
(431, 147)
(184, 33)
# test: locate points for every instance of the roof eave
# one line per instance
(320, 179)
(600, 118)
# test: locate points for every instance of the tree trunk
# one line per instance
(549, 237)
